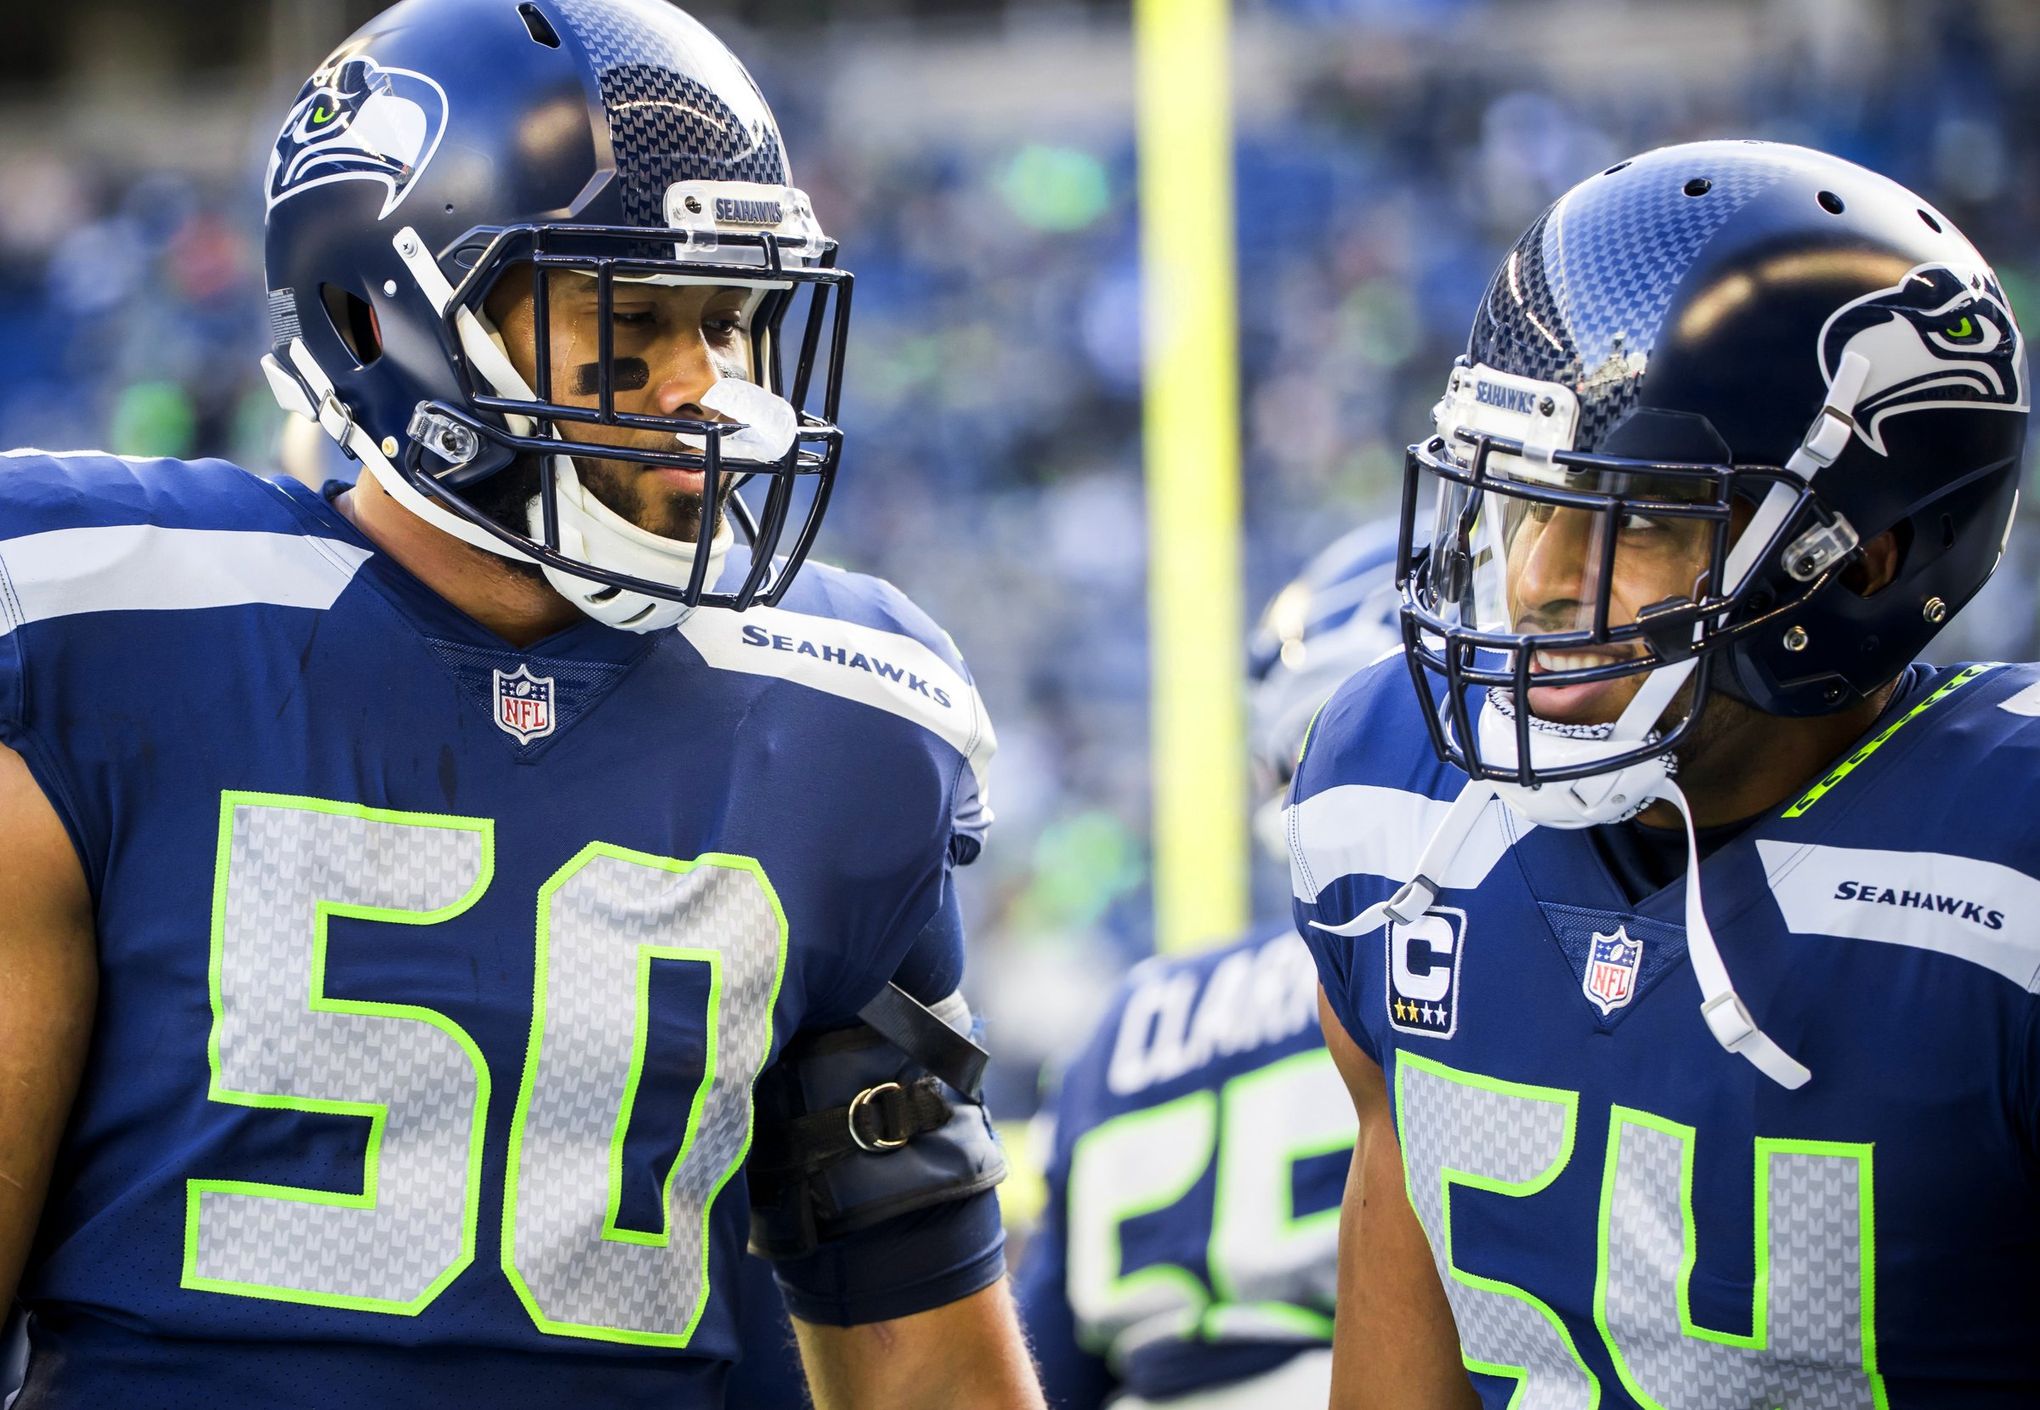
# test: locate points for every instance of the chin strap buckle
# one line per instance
(1733, 1027)
(1412, 900)
(335, 417)
(1828, 437)
(1729, 1021)
(1829, 434)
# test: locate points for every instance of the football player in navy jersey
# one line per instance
(1677, 932)
(445, 920)
(1186, 1256)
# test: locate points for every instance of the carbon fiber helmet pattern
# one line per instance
(665, 124)
(1596, 275)
(1719, 334)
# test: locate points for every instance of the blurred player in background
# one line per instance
(1679, 934)
(410, 881)
(1200, 1141)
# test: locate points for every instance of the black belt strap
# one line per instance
(919, 1032)
(878, 1120)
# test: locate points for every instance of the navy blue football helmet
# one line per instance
(450, 142)
(1338, 615)
(1758, 355)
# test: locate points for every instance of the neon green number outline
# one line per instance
(1448, 1176)
(647, 954)
(1758, 1338)
(1162, 1274)
(1241, 1090)
(376, 1113)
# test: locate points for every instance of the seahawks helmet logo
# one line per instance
(1943, 336)
(358, 121)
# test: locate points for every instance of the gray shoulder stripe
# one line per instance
(148, 568)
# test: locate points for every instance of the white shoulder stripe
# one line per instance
(1359, 829)
(147, 568)
(882, 669)
(1973, 910)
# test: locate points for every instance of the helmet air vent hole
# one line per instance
(1699, 186)
(1947, 531)
(355, 323)
(1615, 168)
(1830, 202)
(538, 26)
(1932, 224)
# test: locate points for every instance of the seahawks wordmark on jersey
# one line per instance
(1623, 1213)
(429, 1004)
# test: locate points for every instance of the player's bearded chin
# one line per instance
(622, 486)
(647, 500)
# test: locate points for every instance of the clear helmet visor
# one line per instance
(1550, 551)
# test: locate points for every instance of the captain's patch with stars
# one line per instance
(1423, 972)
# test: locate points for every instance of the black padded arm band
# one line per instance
(853, 1130)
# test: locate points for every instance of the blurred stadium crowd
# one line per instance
(977, 167)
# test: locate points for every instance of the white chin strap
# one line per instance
(594, 533)
(1728, 1018)
(337, 422)
(1599, 799)
(1596, 799)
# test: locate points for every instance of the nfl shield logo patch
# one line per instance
(1612, 962)
(524, 704)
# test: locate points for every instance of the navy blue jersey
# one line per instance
(435, 975)
(770, 1375)
(1623, 1213)
(1201, 1140)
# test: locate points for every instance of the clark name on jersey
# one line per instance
(1201, 1140)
